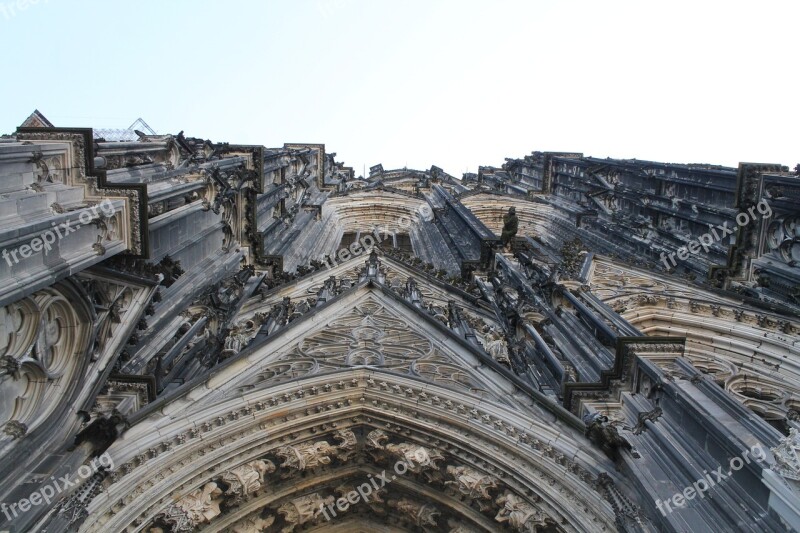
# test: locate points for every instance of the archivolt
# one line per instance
(275, 455)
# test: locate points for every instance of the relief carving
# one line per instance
(418, 459)
(312, 454)
(244, 481)
(605, 436)
(520, 515)
(787, 456)
(301, 510)
(196, 508)
(418, 514)
(473, 484)
(497, 347)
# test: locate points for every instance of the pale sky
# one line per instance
(414, 83)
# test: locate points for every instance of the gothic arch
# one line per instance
(752, 354)
(263, 439)
(296, 425)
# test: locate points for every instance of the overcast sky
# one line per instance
(414, 83)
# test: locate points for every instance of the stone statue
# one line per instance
(305, 455)
(472, 483)
(497, 347)
(312, 454)
(519, 514)
(604, 435)
(196, 508)
(418, 514)
(202, 505)
(787, 456)
(376, 439)
(301, 510)
(246, 479)
(101, 433)
(418, 459)
(347, 444)
(236, 340)
(510, 226)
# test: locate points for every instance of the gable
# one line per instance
(366, 327)
(436, 294)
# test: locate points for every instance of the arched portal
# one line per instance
(285, 455)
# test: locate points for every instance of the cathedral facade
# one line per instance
(205, 336)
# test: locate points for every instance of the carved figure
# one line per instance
(419, 514)
(519, 514)
(605, 436)
(302, 510)
(246, 479)
(472, 483)
(312, 454)
(510, 226)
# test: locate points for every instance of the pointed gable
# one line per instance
(36, 120)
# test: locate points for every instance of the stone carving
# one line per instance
(520, 515)
(8, 365)
(347, 444)
(253, 524)
(497, 347)
(627, 513)
(570, 374)
(437, 312)
(787, 456)
(376, 439)
(306, 455)
(312, 454)
(328, 290)
(301, 510)
(101, 432)
(375, 500)
(418, 459)
(418, 514)
(202, 506)
(382, 339)
(196, 508)
(604, 435)
(236, 340)
(15, 429)
(641, 418)
(75, 507)
(245, 480)
(473, 484)
(510, 226)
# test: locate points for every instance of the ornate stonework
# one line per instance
(259, 341)
(787, 456)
